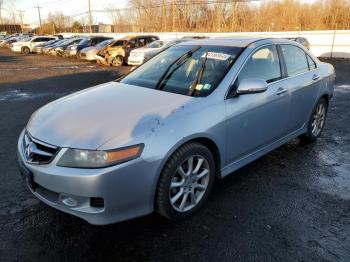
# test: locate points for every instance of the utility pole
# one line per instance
(39, 14)
(21, 17)
(173, 15)
(0, 11)
(90, 17)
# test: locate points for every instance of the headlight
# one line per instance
(74, 47)
(98, 158)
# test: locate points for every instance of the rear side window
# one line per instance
(312, 64)
(295, 59)
(263, 64)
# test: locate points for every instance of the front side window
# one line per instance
(131, 43)
(141, 42)
(295, 59)
(186, 70)
(263, 64)
(119, 43)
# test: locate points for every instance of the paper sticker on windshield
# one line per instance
(216, 56)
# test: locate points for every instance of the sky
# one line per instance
(69, 8)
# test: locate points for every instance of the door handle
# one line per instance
(315, 77)
(281, 91)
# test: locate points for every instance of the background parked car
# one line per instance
(61, 48)
(301, 40)
(47, 48)
(118, 52)
(11, 39)
(89, 53)
(26, 46)
(38, 49)
(74, 49)
(141, 55)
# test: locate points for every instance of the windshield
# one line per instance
(156, 44)
(23, 38)
(84, 41)
(120, 43)
(104, 43)
(186, 70)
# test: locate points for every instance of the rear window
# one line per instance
(295, 59)
(312, 64)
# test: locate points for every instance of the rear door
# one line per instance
(303, 85)
(257, 120)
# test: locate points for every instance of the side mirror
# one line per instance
(251, 86)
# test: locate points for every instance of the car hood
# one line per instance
(90, 118)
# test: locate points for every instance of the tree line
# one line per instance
(207, 16)
(231, 16)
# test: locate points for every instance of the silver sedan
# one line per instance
(156, 139)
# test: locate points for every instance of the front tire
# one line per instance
(316, 122)
(185, 182)
(25, 50)
(118, 60)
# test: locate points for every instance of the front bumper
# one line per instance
(70, 52)
(38, 50)
(16, 49)
(88, 56)
(135, 62)
(127, 189)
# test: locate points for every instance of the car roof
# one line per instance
(129, 37)
(236, 42)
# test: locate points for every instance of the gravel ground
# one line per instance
(291, 205)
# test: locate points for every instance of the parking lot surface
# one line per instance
(291, 205)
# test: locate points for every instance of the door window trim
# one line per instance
(306, 54)
(246, 60)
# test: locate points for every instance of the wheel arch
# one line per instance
(205, 140)
(23, 47)
(201, 139)
(326, 97)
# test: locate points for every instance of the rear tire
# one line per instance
(316, 122)
(25, 50)
(186, 181)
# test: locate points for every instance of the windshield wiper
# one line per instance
(198, 76)
(178, 62)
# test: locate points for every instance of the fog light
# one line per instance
(68, 200)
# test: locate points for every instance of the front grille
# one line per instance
(37, 152)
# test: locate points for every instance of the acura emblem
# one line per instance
(29, 150)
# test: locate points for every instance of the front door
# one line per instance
(257, 120)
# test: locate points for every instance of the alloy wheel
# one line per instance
(318, 119)
(117, 61)
(189, 183)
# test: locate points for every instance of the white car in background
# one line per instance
(28, 44)
(141, 55)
